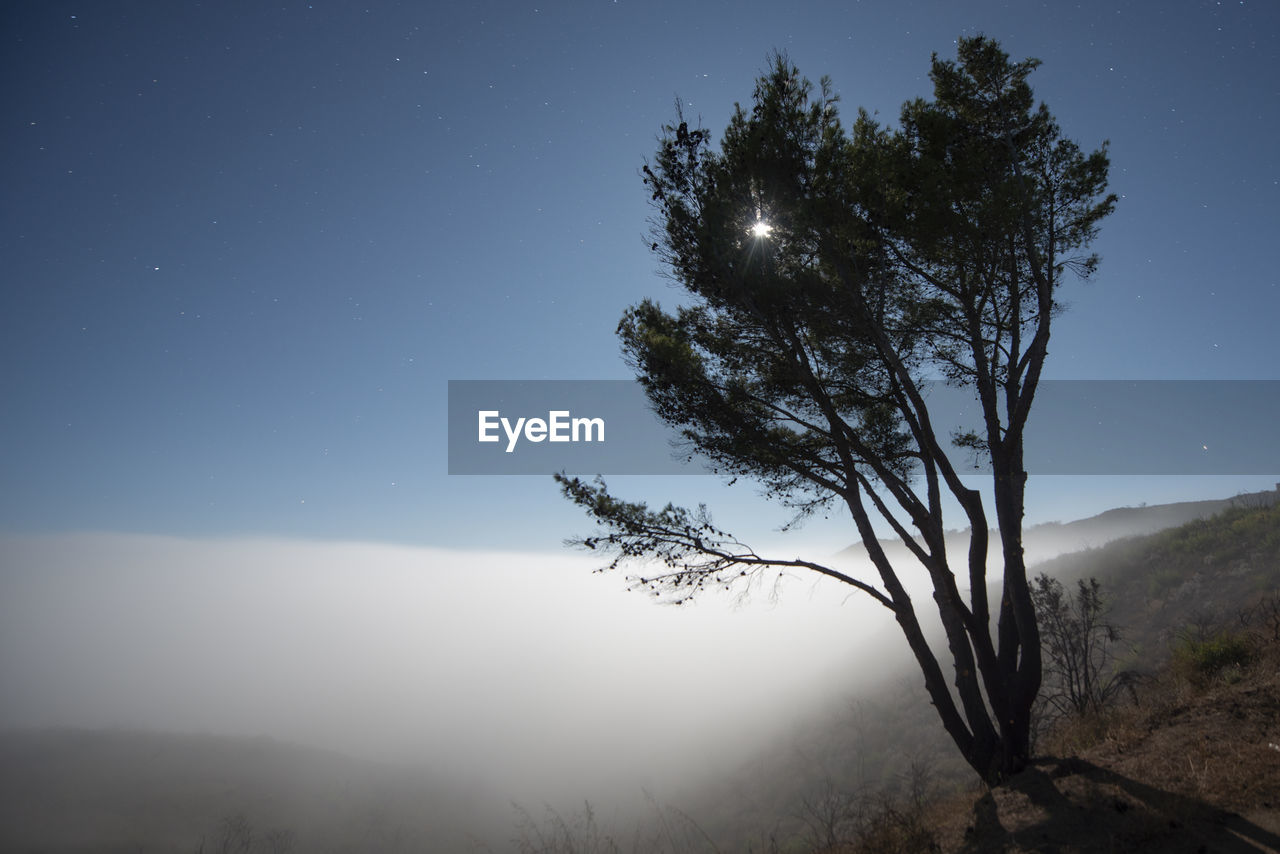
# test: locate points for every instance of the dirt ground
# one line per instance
(1188, 770)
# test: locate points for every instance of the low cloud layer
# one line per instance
(522, 671)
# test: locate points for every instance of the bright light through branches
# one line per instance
(761, 229)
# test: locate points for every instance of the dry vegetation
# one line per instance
(1192, 761)
(1194, 765)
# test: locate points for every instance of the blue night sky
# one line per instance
(247, 244)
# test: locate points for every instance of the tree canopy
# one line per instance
(831, 275)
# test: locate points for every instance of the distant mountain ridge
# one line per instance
(1044, 541)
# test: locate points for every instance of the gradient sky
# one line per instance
(247, 244)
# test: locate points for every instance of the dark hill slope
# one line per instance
(1200, 576)
(1204, 576)
(107, 791)
(1190, 768)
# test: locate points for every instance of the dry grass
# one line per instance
(1193, 766)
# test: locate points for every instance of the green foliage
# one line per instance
(1164, 579)
(937, 246)
(1201, 659)
(1229, 535)
(1159, 583)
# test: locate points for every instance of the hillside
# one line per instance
(1188, 768)
(1043, 542)
(1198, 576)
(888, 747)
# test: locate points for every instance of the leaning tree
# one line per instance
(831, 276)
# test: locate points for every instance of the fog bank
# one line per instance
(524, 672)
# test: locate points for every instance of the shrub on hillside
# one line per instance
(1201, 658)
(1081, 675)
